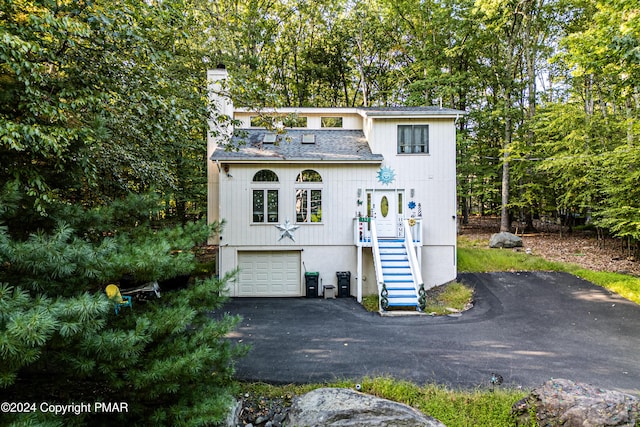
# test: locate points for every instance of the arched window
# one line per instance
(309, 196)
(309, 175)
(265, 175)
(265, 197)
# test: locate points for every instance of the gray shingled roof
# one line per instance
(330, 145)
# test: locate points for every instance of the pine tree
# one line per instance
(62, 342)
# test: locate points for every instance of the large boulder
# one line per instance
(561, 402)
(505, 240)
(328, 407)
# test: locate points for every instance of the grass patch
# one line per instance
(370, 303)
(440, 299)
(453, 295)
(622, 284)
(475, 257)
(452, 407)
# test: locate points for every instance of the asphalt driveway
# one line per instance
(527, 327)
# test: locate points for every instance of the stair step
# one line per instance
(392, 287)
(387, 251)
(404, 302)
(389, 244)
(394, 258)
(406, 294)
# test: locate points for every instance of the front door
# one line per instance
(385, 210)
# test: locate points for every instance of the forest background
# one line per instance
(103, 124)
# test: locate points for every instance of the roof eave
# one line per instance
(413, 115)
(298, 161)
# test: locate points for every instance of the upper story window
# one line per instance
(256, 122)
(271, 121)
(308, 196)
(265, 197)
(294, 121)
(413, 139)
(331, 122)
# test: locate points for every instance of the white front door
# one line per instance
(385, 211)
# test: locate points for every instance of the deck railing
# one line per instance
(362, 230)
(410, 244)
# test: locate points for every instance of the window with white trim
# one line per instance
(265, 196)
(308, 189)
(413, 139)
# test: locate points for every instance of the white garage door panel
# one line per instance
(269, 274)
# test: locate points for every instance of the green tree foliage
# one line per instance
(62, 342)
(103, 116)
(588, 144)
(98, 99)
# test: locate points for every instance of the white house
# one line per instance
(363, 198)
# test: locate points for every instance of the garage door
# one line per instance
(269, 274)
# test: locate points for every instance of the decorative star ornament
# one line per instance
(386, 175)
(287, 229)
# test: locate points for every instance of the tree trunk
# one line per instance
(505, 221)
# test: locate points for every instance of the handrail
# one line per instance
(416, 268)
(376, 261)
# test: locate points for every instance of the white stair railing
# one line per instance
(377, 262)
(416, 268)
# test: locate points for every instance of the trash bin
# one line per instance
(344, 283)
(311, 284)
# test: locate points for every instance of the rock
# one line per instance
(570, 404)
(343, 407)
(505, 240)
